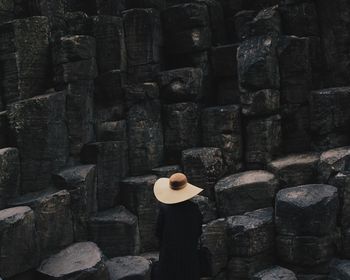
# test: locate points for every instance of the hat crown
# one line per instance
(177, 181)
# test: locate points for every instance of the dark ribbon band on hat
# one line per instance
(176, 185)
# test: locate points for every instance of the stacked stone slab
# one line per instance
(250, 243)
(24, 58)
(38, 125)
(306, 218)
(129, 267)
(275, 272)
(74, 59)
(81, 183)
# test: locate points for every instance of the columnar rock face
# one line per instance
(82, 260)
(138, 197)
(166, 171)
(207, 208)
(25, 60)
(129, 267)
(41, 136)
(340, 269)
(116, 232)
(245, 191)
(19, 246)
(81, 183)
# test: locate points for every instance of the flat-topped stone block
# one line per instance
(275, 273)
(166, 171)
(245, 191)
(129, 267)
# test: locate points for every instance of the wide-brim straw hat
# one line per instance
(174, 189)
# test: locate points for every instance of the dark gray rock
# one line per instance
(166, 171)
(296, 169)
(307, 250)
(24, 58)
(39, 127)
(110, 45)
(263, 140)
(260, 103)
(181, 122)
(83, 260)
(111, 166)
(306, 210)
(4, 129)
(312, 277)
(299, 19)
(203, 167)
(224, 62)
(53, 218)
(207, 208)
(267, 21)
(138, 197)
(129, 267)
(109, 113)
(78, 23)
(340, 270)
(81, 183)
(275, 273)
(227, 91)
(345, 245)
(109, 88)
(87, 6)
(19, 247)
(257, 64)
(251, 234)
(9, 172)
(157, 4)
(111, 131)
(140, 93)
(241, 23)
(246, 191)
(143, 36)
(116, 232)
(181, 85)
(332, 162)
(221, 128)
(110, 7)
(214, 238)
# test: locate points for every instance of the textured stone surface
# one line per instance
(203, 167)
(4, 127)
(207, 208)
(116, 232)
(81, 183)
(109, 88)
(166, 171)
(41, 136)
(83, 260)
(306, 210)
(260, 103)
(19, 247)
(224, 62)
(296, 169)
(275, 273)
(129, 267)
(111, 131)
(267, 21)
(245, 191)
(340, 270)
(138, 197)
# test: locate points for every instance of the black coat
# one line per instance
(179, 227)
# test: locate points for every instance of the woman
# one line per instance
(179, 226)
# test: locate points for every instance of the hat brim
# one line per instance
(165, 194)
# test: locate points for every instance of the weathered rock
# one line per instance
(263, 140)
(295, 69)
(110, 45)
(181, 85)
(41, 136)
(109, 88)
(81, 183)
(138, 197)
(345, 245)
(332, 162)
(109, 113)
(306, 210)
(241, 23)
(328, 111)
(110, 7)
(185, 16)
(145, 137)
(9, 173)
(257, 64)
(299, 19)
(275, 273)
(24, 58)
(221, 128)
(306, 250)
(340, 270)
(19, 247)
(82, 260)
(224, 62)
(129, 267)
(251, 4)
(87, 6)
(296, 169)
(245, 191)
(142, 73)
(181, 129)
(53, 218)
(140, 93)
(267, 21)
(260, 103)
(166, 171)
(74, 48)
(227, 91)
(312, 276)
(207, 208)
(214, 238)
(157, 4)
(111, 162)
(116, 232)
(78, 23)
(4, 129)
(251, 234)
(111, 131)
(143, 36)
(203, 167)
